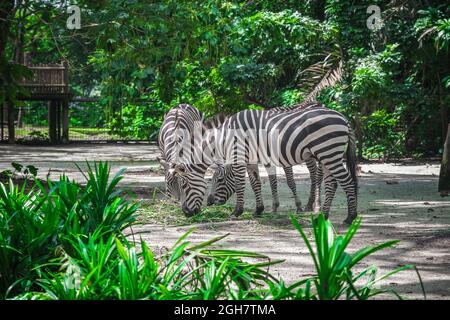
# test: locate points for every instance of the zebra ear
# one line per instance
(179, 168)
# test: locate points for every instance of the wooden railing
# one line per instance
(47, 78)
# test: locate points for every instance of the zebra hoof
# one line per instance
(301, 210)
(275, 207)
(349, 220)
(237, 212)
(258, 211)
(309, 208)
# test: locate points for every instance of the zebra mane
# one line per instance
(215, 121)
(176, 119)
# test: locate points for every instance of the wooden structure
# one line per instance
(50, 83)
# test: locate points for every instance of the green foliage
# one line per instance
(336, 276)
(383, 136)
(37, 220)
(98, 207)
(142, 58)
(137, 121)
(28, 233)
(10, 75)
(67, 241)
(19, 169)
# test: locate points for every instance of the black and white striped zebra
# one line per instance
(277, 139)
(222, 189)
(223, 185)
(183, 116)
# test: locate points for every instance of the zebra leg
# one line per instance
(239, 177)
(330, 190)
(340, 173)
(272, 173)
(318, 187)
(291, 184)
(312, 168)
(255, 182)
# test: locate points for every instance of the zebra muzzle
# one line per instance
(210, 200)
(189, 212)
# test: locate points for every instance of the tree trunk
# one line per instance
(20, 118)
(359, 135)
(6, 12)
(443, 110)
(444, 175)
(52, 121)
(65, 121)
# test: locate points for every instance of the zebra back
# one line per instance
(182, 116)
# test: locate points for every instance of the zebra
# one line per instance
(282, 139)
(222, 189)
(182, 116)
(223, 185)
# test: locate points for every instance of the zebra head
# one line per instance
(222, 185)
(192, 186)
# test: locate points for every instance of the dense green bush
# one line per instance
(226, 56)
(383, 136)
(137, 121)
(38, 221)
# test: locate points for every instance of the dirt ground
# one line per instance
(396, 201)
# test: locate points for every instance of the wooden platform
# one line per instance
(49, 82)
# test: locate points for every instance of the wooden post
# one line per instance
(444, 175)
(11, 118)
(66, 76)
(2, 120)
(65, 121)
(58, 121)
(52, 121)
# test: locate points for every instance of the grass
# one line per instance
(162, 210)
(74, 133)
(168, 212)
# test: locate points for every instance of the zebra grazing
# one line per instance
(182, 116)
(277, 139)
(222, 189)
(223, 185)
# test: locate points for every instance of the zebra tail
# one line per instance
(351, 157)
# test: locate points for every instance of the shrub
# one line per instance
(37, 221)
(63, 240)
(336, 278)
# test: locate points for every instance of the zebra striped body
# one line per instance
(277, 139)
(222, 189)
(182, 116)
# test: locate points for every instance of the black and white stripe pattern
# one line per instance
(222, 189)
(281, 139)
(183, 116)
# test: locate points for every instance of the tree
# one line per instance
(444, 175)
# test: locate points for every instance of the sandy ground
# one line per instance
(396, 201)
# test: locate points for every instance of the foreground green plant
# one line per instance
(28, 234)
(38, 221)
(336, 278)
(113, 269)
(66, 241)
